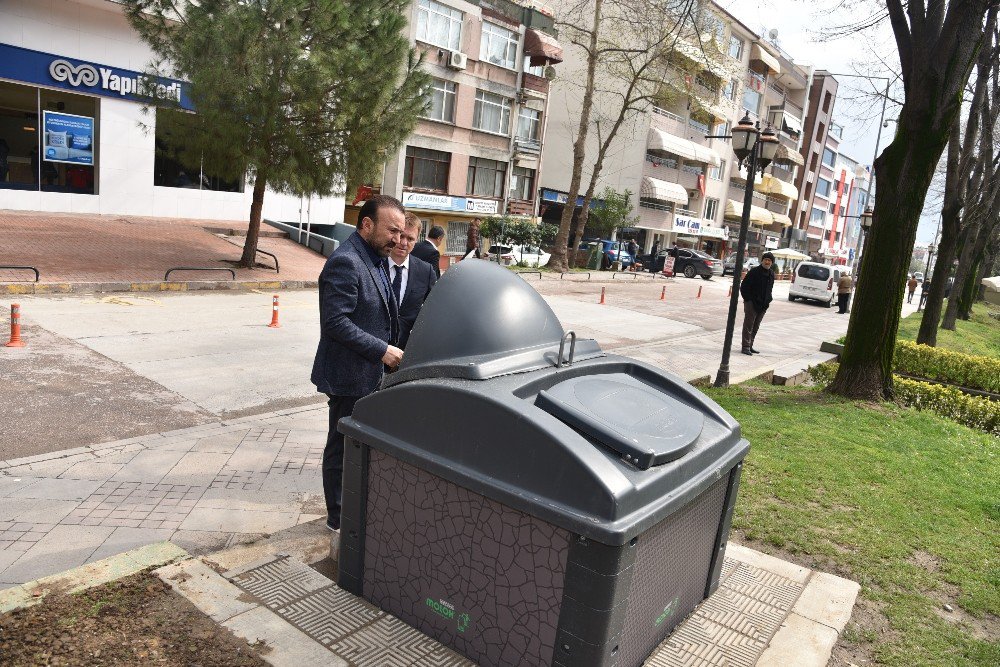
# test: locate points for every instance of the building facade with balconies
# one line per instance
(478, 150)
(809, 214)
(685, 188)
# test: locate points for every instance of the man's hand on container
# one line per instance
(393, 355)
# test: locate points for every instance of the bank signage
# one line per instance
(47, 69)
(489, 206)
(67, 138)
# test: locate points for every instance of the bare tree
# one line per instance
(937, 45)
(626, 44)
(969, 157)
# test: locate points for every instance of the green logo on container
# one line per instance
(446, 609)
(668, 611)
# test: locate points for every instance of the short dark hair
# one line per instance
(437, 231)
(371, 207)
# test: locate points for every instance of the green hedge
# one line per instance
(934, 363)
(973, 411)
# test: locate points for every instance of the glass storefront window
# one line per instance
(169, 171)
(70, 165)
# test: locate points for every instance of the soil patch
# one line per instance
(137, 620)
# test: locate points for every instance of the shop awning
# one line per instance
(761, 216)
(758, 53)
(789, 156)
(542, 48)
(654, 188)
(776, 186)
(781, 219)
(658, 140)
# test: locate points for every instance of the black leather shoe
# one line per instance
(753, 351)
(746, 351)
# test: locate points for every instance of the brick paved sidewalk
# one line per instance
(202, 488)
(89, 248)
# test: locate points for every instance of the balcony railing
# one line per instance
(657, 169)
(664, 112)
(525, 145)
(673, 124)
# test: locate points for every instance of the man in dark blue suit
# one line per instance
(411, 278)
(429, 249)
(359, 328)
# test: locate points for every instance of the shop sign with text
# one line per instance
(47, 69)
(67, 138)
(489, 206)
(425, 200)
(687, 225)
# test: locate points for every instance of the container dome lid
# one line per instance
(480, 321)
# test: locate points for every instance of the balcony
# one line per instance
(525, 146)
(655, 216)
(660, 170)
(520, 207)
(673, 124)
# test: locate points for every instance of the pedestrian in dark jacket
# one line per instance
(756, 292)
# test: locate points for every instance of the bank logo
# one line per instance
(75, 75)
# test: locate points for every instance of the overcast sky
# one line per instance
(798, 23)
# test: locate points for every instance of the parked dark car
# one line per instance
(687, 262)
(729, 265)
(610, 250)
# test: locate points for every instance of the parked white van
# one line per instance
(815, 281)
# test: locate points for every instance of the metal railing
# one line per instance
(166, 276)
(26, 268)
(574, 273)
(664, 112)
(277, 269)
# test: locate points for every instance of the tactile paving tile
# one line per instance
(329, 614)
(734, 626)
(280, 581)
(352, 628)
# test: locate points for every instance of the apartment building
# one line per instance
(838, 202)
(477, 153)
(820, 161)
(686, 189)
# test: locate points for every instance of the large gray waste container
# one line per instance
(525, 511)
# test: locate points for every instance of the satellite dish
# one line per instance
(773, 34)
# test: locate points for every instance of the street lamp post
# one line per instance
(755, 148)
(866, 225)
(927, 275)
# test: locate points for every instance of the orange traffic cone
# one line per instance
(699, 292)
(730, 292)
(663, 293)
(15, 326)
(602, 296)
(274, 314)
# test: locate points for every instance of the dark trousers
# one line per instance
(909, 297)
(333, 457)
(751, 323)
(842, 300)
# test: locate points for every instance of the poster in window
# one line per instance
(67, 138)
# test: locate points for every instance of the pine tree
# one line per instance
(303, 96)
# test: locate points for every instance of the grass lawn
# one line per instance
(980, 335)
(904, 502)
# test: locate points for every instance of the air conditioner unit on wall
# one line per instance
(694, 194)
(457, 60)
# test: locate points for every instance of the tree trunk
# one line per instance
(965, 262)
(249, 258)
(903, 173)
(942, 267)
(970, 290)
(558, 258)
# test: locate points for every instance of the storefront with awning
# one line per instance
(663, 142)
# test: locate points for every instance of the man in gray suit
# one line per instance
(359, 328)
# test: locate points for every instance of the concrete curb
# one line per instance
(92, 574)
(807, 636)
(11, 289)
(153, 439)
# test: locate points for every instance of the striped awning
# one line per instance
(781, 219)
(658, 140)
(761, 216)
(758, 53)
(542, 48)
(775, 186)
(654, 188)
(789, 156)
